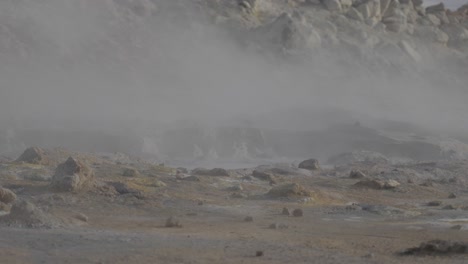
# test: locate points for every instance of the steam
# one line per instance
(92, 65)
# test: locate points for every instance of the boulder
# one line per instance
(309, 164)
(72, 175)
(438, 247)
(333, 5)
(26, 214)
(264, 176)
(357, 174)
(7, 196)
(435, 8)
(33, 155)
(288, 190)
(396, 22)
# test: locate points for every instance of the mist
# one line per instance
(135, 68)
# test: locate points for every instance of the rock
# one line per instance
(438, 247)
(310, 164)
(285, 211)
(435, 8)
(130, 172)
(264, 176)
(238, 195)
(26, 214)
(236, 188)
(357, 174)
(259, 253)
(333, 5)
(34, 155)
(297, 213)
(122, 188)
(247, 5)
(212, 172)
(458, 36)
(397, 22)
(452, 196)
(172, 222)
(7, 196)
(4, 207)
(456, 227)
(248, 219)
(391, 184)
(81, 217)
(182, 170)
(434, 203)
(377, 184)
(288, 190)
(191, 178)
(72, 175)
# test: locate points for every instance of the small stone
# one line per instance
(248, 219)
(172, 222)
(285, 211)
(434, 203)
(297, 213)
(82, 217)
(452, 196)
(259, 253)
(356, 174)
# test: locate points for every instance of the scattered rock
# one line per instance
(81, 217)
(310, 164)
(452, 196)
(356, 174)
(34, 155)
(285, 211)
(297, 213)
(434, 203)
(7, 196)
(288, 190)
(172, 222)
(248, 219)
(72, 175)
(130, 172)
(212, 172)
(26, 214)
(438, 247)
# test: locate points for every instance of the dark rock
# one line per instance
(357, 174)
(248, 219)
(438, 247)
(310, 164)
(182, 170)
(288, 190)
(435, 8)
(297, 213)
(82, 217)
(434, 203)
(172, 222)
(285, 211)
(452, 196)
(34, 155)
(449, 207)
(122, 188)
(26, 214)
(7, 196)
(259, 253)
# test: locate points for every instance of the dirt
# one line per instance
(339, 223)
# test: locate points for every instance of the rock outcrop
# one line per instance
(72, 175)
(34, 155)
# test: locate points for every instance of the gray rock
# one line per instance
(72, 175)
(34, 155)
(173, 222)
(7, 196)
(288, 190)
(310, 164)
